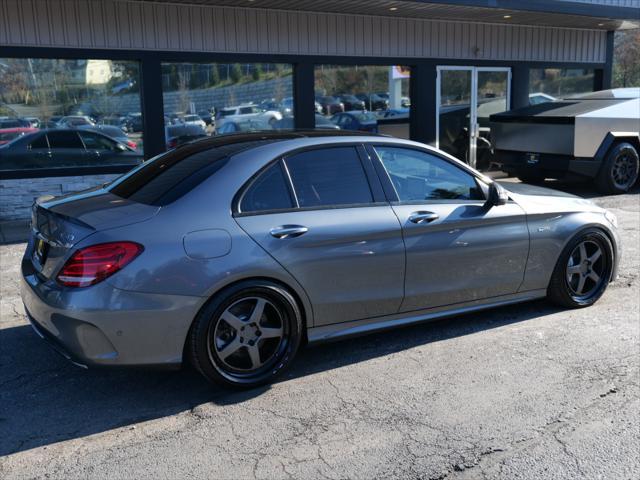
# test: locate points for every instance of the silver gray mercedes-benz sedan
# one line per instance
(231, 252)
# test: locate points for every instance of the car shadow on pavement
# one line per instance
(580, 188)
(44, 399)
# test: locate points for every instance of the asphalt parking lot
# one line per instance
(527, 391)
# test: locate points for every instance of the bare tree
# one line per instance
(626, 59)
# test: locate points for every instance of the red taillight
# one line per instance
(173, 143)
(93, 264)
(131, 144)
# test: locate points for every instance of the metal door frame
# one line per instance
(473, 107)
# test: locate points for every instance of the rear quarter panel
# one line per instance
(165, 267)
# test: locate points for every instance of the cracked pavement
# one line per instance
(522, 392)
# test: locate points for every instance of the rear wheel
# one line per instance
(583, 270)
(619, 171)
(247, 335)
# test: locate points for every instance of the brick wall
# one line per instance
(17, 196)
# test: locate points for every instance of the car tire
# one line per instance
(619, 171)
(531, 177)
(573, 282)
(230, 320)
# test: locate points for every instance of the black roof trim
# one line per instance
(285, 134)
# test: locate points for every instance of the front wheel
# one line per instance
(247, 335)
(583, 270)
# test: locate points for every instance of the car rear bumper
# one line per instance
(104, 326)
(554, 166)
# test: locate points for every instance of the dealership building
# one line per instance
(147, 67)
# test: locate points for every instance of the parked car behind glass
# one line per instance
(9, 134)
(361, 121)
(14, 123)
(350, 103)
(373, 101)
(176, 135)
(192, 119)
(322, 122)
(330, 105)
(239, 124)
(55, 148)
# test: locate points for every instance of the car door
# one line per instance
(321, 213)
(38, 153)
(458, 249)
(102, 150)
(67, 150)
(98, 150)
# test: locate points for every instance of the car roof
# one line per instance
(274, 136)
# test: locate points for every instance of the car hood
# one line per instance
(537, 200)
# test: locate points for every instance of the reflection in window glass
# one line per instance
(548, 84)
(268, 192)
(344, 93)
(218, 98)
(329, 177)
(68, 96)
(418, 176)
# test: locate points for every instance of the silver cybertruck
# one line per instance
(594, 136)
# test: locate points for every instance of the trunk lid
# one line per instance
(59, 223)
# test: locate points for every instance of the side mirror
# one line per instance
(497, 195)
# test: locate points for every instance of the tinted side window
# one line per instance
(420, 176)
(166, 177)
(40, 142)
(268, 192)
(64, 139)
(328, 177)
(97, 142)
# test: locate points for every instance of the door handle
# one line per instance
(288, 231)
(423, 217)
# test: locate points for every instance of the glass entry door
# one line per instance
(466, 97)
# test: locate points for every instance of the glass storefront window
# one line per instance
(204, 99)
(363, 97)
(548, 84)
(57, 113)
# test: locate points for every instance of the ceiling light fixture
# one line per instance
(506, 17)
(393, 9)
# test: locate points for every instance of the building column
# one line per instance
(152, 106)
(422, 87)
(304, 95)
(519, 86)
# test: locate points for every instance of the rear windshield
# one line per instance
(171, 175)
